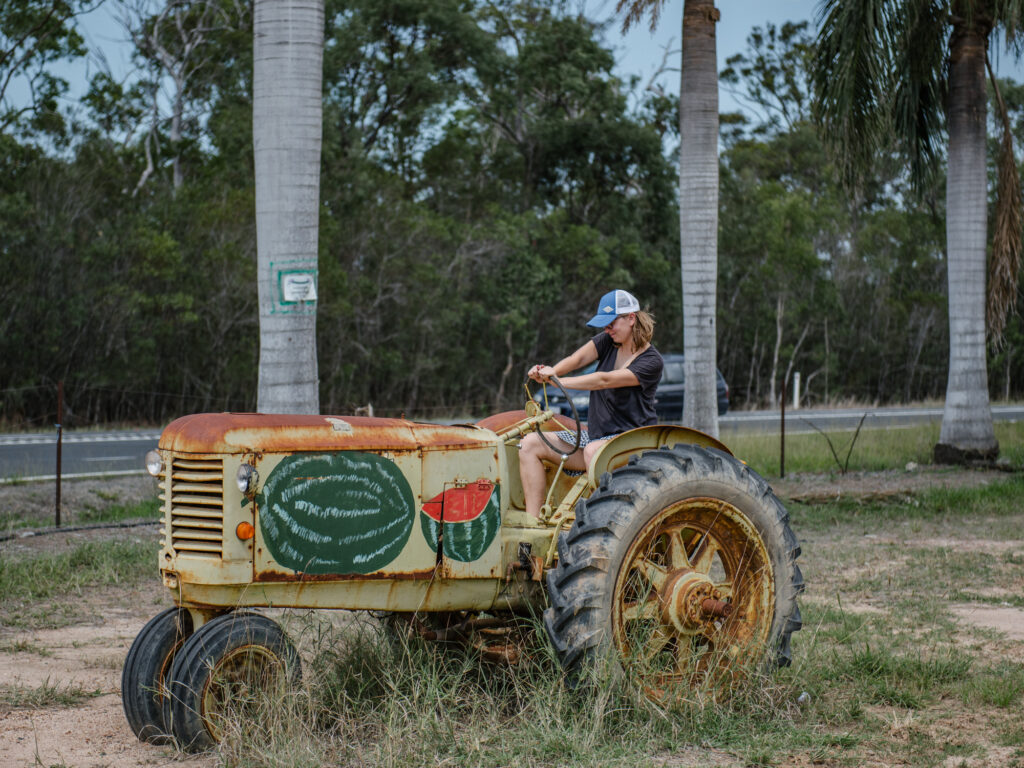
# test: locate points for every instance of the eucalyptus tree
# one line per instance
(288, 37)
(913, 72)
(34, 36)
(177, 42)
(698, 199)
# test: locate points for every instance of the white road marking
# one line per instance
(75, 476)
(37, 439)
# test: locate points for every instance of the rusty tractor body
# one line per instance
(425, 520)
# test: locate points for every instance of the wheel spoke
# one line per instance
(656, 643)
(724, 589)
(654, 574)
(691, 655)
(644, 609)
(705, 555)
(676, 554)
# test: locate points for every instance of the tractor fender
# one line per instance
(617, 451)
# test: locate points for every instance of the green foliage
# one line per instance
(35, 35)
(485, 177)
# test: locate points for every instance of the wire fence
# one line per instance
(33, 407)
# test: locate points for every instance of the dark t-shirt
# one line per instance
(617, 410)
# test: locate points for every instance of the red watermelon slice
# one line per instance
(472, 517)
(460, 504)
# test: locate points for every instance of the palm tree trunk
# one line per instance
(287, 128)
(967, 419)
(698, 211)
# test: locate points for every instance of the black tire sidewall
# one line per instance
(141, 679)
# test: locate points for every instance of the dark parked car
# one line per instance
(668, 397)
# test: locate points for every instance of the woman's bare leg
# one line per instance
(591, 449)
(532, 453)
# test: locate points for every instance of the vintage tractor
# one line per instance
(668, 556)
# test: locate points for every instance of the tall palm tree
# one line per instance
(698, 199)
(914, 70)
(287, 128)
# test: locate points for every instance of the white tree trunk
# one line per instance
(698, 211)
(287, 128)
(967, 419)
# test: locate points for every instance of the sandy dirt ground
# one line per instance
(88, 656)
(85, 657)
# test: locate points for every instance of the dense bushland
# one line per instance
(486, 176)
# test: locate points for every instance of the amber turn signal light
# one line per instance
(245, 531)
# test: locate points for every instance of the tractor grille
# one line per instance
(197, 507)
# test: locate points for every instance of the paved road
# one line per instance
(33, 456)
(839, 419)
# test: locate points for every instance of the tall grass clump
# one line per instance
(375, 697)
(96, 563)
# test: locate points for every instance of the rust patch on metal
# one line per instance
(714, 607)
(275, 576)
(500, 421)
(235, 433)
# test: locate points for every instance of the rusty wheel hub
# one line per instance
(691, 602)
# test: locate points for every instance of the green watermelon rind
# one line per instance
(336, 513)
(468, 540)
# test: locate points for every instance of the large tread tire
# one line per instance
(232, 646)
(146, 669)
(622, 511)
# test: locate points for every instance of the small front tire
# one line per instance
(146, 669)
(230, 666)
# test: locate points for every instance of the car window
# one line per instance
(672, 373)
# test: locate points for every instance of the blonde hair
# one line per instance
(643, 329)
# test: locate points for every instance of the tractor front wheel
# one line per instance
(145, 672)
(230, 668)
(682, 568)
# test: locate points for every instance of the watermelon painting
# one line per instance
(472, 516)
(344, 512)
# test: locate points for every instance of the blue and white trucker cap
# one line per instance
(613, 304)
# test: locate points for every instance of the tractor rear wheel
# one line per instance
(145, 672)
(682, 568)
(229, 668)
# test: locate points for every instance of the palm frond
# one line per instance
(1004, 264)
(853, 81)
(1009, 14)
(634, 11)
(921, 79)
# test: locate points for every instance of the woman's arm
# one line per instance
(622, 377)
(582, 356)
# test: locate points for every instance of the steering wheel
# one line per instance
(575, 417)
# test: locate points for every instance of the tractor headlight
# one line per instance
(246, 478)
(154, 464)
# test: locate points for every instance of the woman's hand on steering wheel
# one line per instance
(542, 374)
